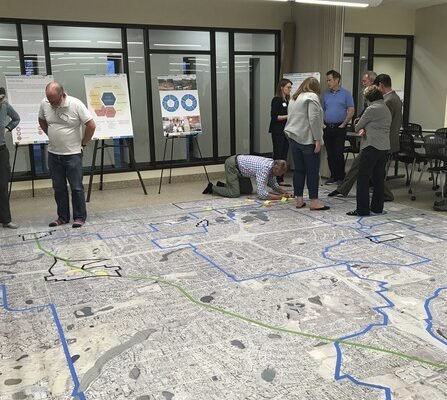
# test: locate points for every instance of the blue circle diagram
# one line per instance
(170, 103)
(189, 102)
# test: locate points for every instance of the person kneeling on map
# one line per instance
(265, 170)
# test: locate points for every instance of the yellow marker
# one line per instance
(74, 271)
(267, 202)
(284, 199)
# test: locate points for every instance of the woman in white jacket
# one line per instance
(304, 129)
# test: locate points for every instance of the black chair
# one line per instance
(413, 129)
(354, 146)
(436, 152)
(408, 154)
(441, 131)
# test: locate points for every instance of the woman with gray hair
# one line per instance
(9, 119)
(374, 130)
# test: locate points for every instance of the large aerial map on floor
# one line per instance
(226, 299)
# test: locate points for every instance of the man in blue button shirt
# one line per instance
(338, 106)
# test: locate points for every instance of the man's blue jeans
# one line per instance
(63, 168)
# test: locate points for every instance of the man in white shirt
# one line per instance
(61, 117)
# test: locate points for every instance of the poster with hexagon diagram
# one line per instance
(108, 101)
(179, 99)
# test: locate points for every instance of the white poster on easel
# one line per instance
(108, 101)
(179, 101)
(25, 93)
(298, 78)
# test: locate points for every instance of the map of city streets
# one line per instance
(226, 299)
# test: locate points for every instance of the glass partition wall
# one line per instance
(387, 54)
(236, 72)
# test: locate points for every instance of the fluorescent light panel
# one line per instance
(344, 3)
(333, 3)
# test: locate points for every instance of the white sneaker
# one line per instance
(10, 225)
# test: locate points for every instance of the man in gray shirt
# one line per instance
(393, 102)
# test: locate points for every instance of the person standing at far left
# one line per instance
(278, 122)
(9, 119)
(61, 117)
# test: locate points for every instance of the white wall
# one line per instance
(429, 90)
(319, 33)
(382, 19)
(207, 13)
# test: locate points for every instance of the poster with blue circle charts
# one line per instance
(25, 93)
(298, 78)
(179, 101)
(108, 101)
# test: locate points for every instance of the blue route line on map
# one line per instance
(76, 393)
(361, 228)
(340, 376)
(429, 319)
(327, 249)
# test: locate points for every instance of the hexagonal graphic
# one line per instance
(110, 112)
(108, 98)
(100, 112)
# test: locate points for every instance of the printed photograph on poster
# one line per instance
(179, 101)
(108, 101)
(25, 93)
(297, 78)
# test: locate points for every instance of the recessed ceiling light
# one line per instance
(344, 3)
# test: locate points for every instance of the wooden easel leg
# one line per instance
(134, 164)
(170, 164)
(92, 170)
(162, 165)
(101, 175)
(200, 153)
(33, 166)
(12, 171)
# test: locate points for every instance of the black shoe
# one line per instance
(323, 208)
(388, 199)
(208, 189)
(220, 184)
(355, 213)
(334, 193)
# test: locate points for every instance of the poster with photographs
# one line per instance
(179, 101)
(25, 93)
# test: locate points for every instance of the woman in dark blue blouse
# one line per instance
(278, 122)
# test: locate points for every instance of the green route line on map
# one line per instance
(259, 323)
(284, 330)
(67, 261)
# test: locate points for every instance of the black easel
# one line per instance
(172, 137)
(129, 145)
(33, 167)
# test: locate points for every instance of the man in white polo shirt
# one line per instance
(61, 117)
